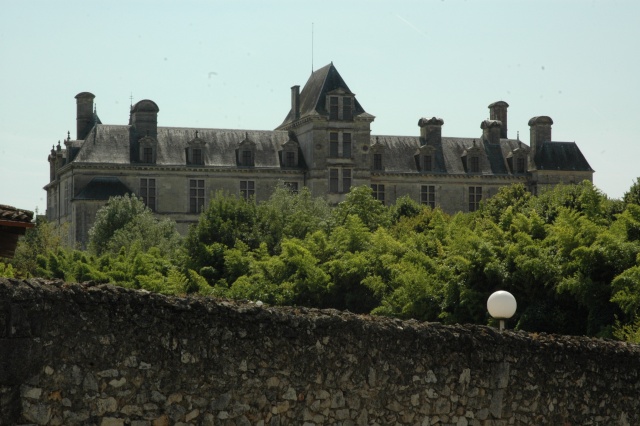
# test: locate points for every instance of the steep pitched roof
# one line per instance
(565, 156)
(110, 144)
(313, 95)
(102, 188)
(399, 154)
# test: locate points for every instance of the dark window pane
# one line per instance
(347, 113)
(346, 145)
(333, 108)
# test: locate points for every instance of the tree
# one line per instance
(360, 202)
(37, 241)
(126, 220)
(632, 196)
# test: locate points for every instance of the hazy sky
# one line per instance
(231, 64)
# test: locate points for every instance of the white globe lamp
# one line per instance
(501, 305)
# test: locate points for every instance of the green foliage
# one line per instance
(570, 256)
(37, 241)
(125, 221)
(359, 202)
(6, 270)
(632, 196)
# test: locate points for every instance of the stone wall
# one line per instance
(101, 355)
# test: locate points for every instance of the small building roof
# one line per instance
(103, 188)
(565, 156)
(13, 223)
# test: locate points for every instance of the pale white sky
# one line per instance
(230, 64)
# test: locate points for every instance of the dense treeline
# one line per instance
(570, 256)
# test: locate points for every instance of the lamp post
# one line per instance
(501, 305)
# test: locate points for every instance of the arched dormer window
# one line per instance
(195, 151)
(340, 105)
(377, 156)
(471, 158)
(425, 159)
(289, 154)
(148, 150)
(246, 152)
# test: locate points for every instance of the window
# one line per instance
(475, 196)
(147, 155)
(196, 195)
(333, 145)
(520, 165)
(247, 189)
(346, 180)
(427, 163)
(347, 111)
(339, 140)
(474, 166)
(148, 192)
(340, 108)
(346, 145)
(67, 198)
(147, 150)
(290, 159)
(333, 108)
(377, 161)
(334, 179)
(378, 192)
(428, 195)
(197, 156)
(247, 158)
(292, 186)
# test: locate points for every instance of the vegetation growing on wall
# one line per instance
(571, 256)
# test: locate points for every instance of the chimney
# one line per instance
(498, 111)
(295, 102)
(540, 132)
(491, 131)
(144, 118)
(84, 114)
(430, 130)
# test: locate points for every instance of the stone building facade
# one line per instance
(324, 143)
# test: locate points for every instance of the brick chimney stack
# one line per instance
(540, 132)
(491, 131)
(84, 114)
(431, 130)
(498, 111)
(295, 102)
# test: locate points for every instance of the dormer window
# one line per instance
(197, 156)
(474, 164)
(340, 106)
(289, 154)
(246, 153)
(471, 159)
(425, 157)
(195, 151)
(377, 152)
(148, 150)
(377, 162)
(334, 108)
(517, 160)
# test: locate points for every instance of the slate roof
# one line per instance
(313, 95)
(110, 144)
(102, 188)
(565, 156)
(399, 154)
